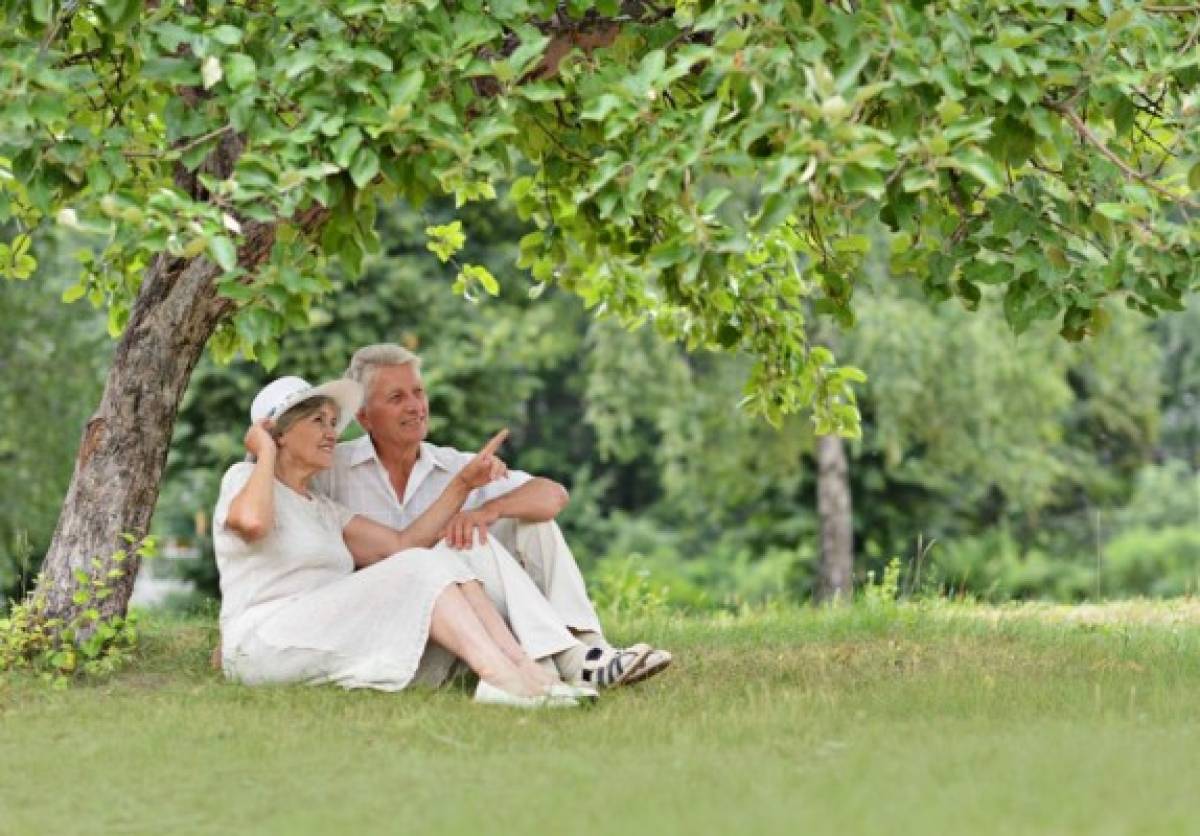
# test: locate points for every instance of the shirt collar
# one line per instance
(363, 450)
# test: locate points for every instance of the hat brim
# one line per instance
(347, 394)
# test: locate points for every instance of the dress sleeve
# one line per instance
(340, 514)
(228, 543)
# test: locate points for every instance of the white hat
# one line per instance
(278, 396)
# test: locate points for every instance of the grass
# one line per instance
(885, 719)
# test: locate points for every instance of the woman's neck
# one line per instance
(293, 474)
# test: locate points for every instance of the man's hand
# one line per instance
(486, 466)
(460, 532)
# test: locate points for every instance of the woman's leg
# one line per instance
(498, 630)
(456, 627)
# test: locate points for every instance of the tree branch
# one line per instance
(1088, 136)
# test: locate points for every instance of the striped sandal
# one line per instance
(610, 667)
(657, 661)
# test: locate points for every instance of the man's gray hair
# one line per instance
(368, 359)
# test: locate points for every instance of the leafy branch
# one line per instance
(1089, 136)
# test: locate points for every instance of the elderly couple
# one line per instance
(381, 561)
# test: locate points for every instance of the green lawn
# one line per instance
(916, 719)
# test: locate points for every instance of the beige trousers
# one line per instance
(535, 623)
(541, 550)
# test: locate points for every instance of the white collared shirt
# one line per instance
(359, 481)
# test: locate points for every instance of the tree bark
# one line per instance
(836, 570)
(124, 446)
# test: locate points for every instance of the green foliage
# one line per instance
(994, 566)
(1160, 563)
(1039, 149)
(52, 363)
(620, 587)
(887, 592)
(91, 643)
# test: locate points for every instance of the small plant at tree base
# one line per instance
(89, 644)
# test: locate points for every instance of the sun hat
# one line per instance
(278, 396)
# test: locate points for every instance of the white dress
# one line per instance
(294, 610)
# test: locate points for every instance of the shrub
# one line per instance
(89, 644)
(1158, 563)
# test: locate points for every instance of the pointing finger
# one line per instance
(494, 443)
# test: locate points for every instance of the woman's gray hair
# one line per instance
(368, 359)
(299, 412)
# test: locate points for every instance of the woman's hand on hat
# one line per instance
(259, 441)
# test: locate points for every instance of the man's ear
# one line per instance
(361, 417)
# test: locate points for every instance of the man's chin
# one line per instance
(412, 435)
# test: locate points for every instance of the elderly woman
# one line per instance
(294, 608)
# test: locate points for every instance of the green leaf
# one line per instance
(240, 70)
(1118, 20)
(479, 273)
(859, 180)
(598, 110)
(256, 325)
(373, 57)
(364, 167)
(980, 166)
(41, 10)
(226, 34)
(120, 14)
(852, 244)
(714, 199)
(345, 145)
(444, 241)
(541, 91)
(1194, 178)
(403, 89)
(223, 251)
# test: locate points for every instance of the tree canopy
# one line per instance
(720, 168)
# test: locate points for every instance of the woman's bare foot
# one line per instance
(537, 675)
(515, 681)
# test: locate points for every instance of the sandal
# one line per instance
(609, 667)
(657, 661)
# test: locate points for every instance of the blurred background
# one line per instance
(990, 465)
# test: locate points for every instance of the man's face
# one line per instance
(396, 410)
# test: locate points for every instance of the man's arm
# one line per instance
(538, 500)
(369, 541)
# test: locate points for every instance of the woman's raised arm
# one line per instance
(252, 512)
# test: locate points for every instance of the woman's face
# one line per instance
(310, 441)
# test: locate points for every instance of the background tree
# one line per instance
(222, 154)
(52, 362)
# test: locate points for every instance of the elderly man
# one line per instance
(392, 475)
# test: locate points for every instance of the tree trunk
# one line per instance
(124, 446)
(835, 573)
